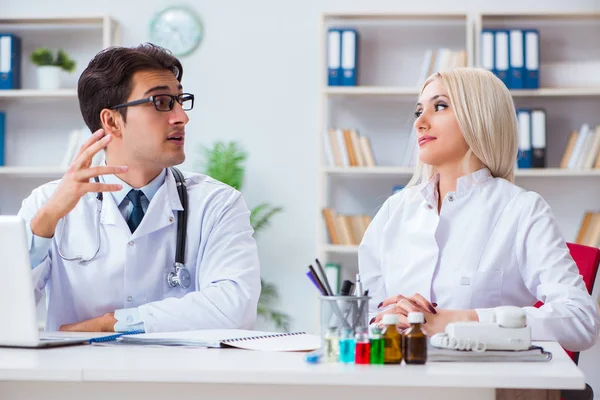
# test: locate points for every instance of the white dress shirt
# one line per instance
(492, 244)
(129, 274)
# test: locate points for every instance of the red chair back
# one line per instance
(587, 259)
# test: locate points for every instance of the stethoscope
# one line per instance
(180, 276)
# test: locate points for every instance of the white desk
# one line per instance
(127, 372)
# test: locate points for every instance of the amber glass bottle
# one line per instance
(415, 340)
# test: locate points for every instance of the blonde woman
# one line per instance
(462, 238)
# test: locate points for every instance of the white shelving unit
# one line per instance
(408, 171)
(381, 106)
(411, 92)
(38, 122)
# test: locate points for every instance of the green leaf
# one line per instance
(63, 61)
(225, 162)
(42, 56)
(261, 215)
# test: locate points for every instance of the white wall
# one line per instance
(255, 80)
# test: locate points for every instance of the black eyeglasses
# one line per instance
(163, 102)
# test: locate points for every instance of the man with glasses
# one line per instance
(104, 239)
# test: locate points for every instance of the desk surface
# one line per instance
(120, 363)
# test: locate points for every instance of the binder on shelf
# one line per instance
(10, 61)
(349, 56)
(538, 138)
(502, 54)
(2, 138)
(524, 159)
(488, 60)
(532, 59)
(334, 57)
(517, 59)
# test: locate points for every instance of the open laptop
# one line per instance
(18, 327)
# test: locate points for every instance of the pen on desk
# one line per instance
(313, 357)
(319, 283)
(312, 279)
(324, 277)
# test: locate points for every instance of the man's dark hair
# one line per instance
(107, 80)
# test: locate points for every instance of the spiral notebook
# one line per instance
(93, 337)
(241, 339)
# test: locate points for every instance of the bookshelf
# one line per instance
(414, 91)
(38, 122)
(381, 106)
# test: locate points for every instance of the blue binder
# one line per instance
(502, 56)
(517, 59)
(349, 56)
(10, 61)
(532, 59)
(488, 57)
(334, 57)
(2, 130)
(538, 138)
(525, 156)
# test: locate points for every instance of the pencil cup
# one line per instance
(343, 312)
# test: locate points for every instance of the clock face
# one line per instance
(177, 29)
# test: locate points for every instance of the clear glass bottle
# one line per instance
(363, 347)
(347, 346)
(392, 339)
(415, 340)
(377, 346)
(331, 347)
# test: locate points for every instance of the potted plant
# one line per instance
(49, 66)
(225, 163)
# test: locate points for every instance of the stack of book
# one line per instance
(583, 149)
(438, 60)
(346, 148)
(345, 229)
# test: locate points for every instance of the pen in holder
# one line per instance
(354, 315)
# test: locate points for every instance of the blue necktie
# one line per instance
(135, 196)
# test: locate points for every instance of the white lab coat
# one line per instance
(492, 244)
(131, 270)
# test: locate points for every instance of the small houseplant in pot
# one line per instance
(49, 66)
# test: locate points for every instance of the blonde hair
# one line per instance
(487, 118)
